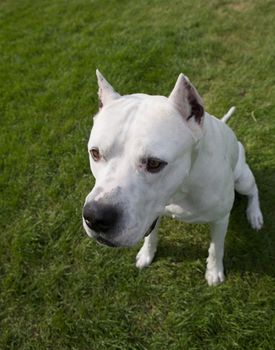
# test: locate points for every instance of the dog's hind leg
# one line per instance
(245, 184)
(147, 252)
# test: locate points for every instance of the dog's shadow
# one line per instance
(246, 250)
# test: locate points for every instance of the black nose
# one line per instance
(100, 217)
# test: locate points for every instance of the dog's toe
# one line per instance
(143, 259)
(214, 277)
(255, 218)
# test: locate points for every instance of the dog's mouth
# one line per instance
(106, 242)
(147, 233)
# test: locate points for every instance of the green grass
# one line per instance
(60, 290)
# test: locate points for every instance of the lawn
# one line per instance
(59, 289)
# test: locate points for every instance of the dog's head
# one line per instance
(140, 149)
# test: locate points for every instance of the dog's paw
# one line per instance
(255, 217)
(144, 258)
(214, 277)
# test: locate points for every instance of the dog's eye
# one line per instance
(154, 165)
(95, 154)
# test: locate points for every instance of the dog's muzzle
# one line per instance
(103, 222)
(101, 218)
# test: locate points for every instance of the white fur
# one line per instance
(228, 115)
(206, 164)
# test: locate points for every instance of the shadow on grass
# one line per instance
(180, 251)
(246, 250)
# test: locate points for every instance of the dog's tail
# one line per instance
(228, 115)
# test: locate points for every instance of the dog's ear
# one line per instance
(106, 93)
(187, 100)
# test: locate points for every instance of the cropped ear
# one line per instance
(187, 100)
(106, 93)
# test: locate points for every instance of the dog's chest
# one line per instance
(190, 209)
(205, 200)
(208, 192)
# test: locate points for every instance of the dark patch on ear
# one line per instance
(197, 111)
(100, 105)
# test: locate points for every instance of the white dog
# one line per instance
(154, 156)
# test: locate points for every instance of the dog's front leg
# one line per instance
(147, 252)
(214, 271)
